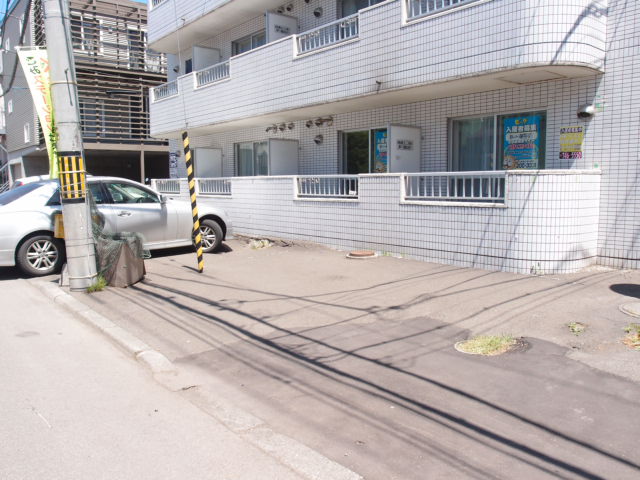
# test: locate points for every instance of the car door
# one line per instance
(138, 209)
(103, 204)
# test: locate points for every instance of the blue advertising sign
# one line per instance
(380, 161)
(521, 146)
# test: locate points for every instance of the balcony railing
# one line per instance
(342, 186)
(420, 8)
(4, 178)
(487, 187)
(166, 185)
(165, 91)
(213, 186)
(155, 3)
(212, 74)
(327, 35)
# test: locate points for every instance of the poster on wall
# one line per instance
(571, 138)
(380, 158)
(173, 165)
(521, 147)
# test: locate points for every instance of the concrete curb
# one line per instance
(298, 457)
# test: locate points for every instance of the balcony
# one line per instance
(196, 19)
(346, 65)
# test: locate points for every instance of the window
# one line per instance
(10, 106)
(84, 33)
(27, 133)
(252, 158)
(365, 151)
(127, 193)
(498, 142)
(248, 43)
(349, 7)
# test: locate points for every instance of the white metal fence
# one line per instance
(4, 178)
(341, 186)
(165, 90)
(166, 185)
(455, 186)
(329, 34)
(212, 74)
(155, 3)
(419, 8)
(213, 186)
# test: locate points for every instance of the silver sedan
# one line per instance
(27, 221)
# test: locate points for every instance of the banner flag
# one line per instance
(35, 64)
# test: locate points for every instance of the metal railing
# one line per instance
(420, 8)
(166, 185)
(212, 74)
(327, 186)
(488, 187)
(155, 3)
(165, 90)
(329, 34)
(4, 178)
(213, 186)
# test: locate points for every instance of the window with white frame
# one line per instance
(349, 7)
(498, 142)
(27, 133)
(248, 43)
(252, 158)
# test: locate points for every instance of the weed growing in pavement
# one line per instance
(577, 327)
(257, 244)
(487, 344)
(633, 336)
(97, 286)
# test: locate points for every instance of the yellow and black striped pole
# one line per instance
(72, 176)
(192, 195)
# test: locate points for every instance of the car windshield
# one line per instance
(19, 192)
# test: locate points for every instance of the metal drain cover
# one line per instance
(361, 254)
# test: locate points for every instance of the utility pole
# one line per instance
(81, 257)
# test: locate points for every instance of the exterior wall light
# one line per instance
(318, 139)
(309, 123)
(317, 12)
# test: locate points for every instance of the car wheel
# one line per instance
(40, 255)
(211, 233)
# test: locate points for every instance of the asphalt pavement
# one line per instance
(73, 406)
(355, 358)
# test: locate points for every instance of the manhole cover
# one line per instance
(632, 308)
(361, 254)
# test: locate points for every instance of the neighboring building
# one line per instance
(499, 134)
(114, 72)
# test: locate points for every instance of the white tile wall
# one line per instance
(549, 224)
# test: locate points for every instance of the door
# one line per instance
(280, 26)
(102, 201)
(208, 162)
(137, 209)
(404, 149)
(283, 157)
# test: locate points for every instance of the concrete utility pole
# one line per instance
(81, 259)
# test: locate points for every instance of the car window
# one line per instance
(95, 189)
(18, 192)
(127, 193)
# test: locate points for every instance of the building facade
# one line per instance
(490, 133)
(114, 71)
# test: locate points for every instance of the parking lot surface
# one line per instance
(355, 358)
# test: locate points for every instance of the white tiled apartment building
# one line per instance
(500, 134)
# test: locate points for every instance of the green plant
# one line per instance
(633, 335)
(487, 344)
(576, 327)
(97, 286)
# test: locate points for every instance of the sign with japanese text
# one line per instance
(571, 138)
(521, 146)
(380, 158)
(35, 64)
